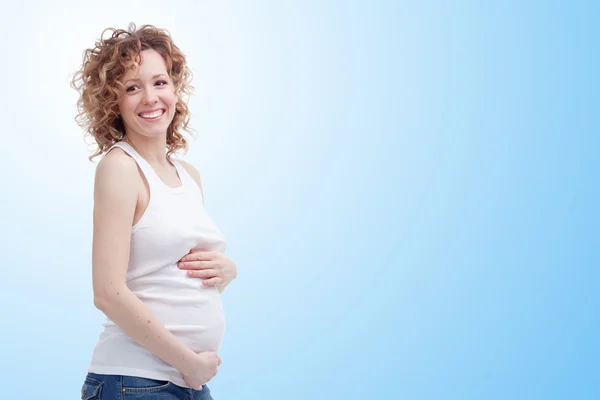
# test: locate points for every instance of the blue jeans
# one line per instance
(123, 387)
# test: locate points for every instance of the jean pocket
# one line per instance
(136, 384)
(91, 389)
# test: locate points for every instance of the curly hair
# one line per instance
(98, 83)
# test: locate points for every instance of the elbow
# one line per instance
(100, 302)
(104, 301)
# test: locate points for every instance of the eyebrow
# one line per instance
(137, 79)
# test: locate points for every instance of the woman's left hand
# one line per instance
(214, 267)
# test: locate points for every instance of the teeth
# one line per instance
(152, 114)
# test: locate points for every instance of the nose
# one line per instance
(150, 97)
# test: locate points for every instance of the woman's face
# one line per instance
(147, 102)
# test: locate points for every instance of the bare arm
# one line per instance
(115, 196)
(196, 175)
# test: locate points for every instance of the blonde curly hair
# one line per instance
(98, 83)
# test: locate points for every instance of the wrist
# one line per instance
(185, 363)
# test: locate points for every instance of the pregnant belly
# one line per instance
(192, 312)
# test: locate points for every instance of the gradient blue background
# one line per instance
(409, 189)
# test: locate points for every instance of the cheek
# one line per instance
(171, 99)
(171, 103)
(126, 106)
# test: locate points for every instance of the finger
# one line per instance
(199, 256)
(213, 281)
(220, 361)
(196, 264)
(197, 249)
(203, 273)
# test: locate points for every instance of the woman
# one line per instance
(164, 327)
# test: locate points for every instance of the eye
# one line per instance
(162, 83)
(131, 88)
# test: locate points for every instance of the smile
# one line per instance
(152, 115)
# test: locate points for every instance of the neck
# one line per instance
(152, 149)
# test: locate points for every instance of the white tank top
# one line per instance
(174, 222)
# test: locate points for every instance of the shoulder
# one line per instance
(117, 174)
(192, 171)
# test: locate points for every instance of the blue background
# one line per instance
(409, 189)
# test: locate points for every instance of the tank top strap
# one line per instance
(187, 179)
(153, 180)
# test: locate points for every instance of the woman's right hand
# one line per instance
(202, 368)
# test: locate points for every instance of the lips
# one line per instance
(152, 114)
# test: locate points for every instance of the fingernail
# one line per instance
(180, 265)
(190, 273)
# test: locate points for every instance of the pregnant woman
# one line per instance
(152, 238)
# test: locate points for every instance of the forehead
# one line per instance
(151, 64)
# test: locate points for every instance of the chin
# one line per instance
(154, 131)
